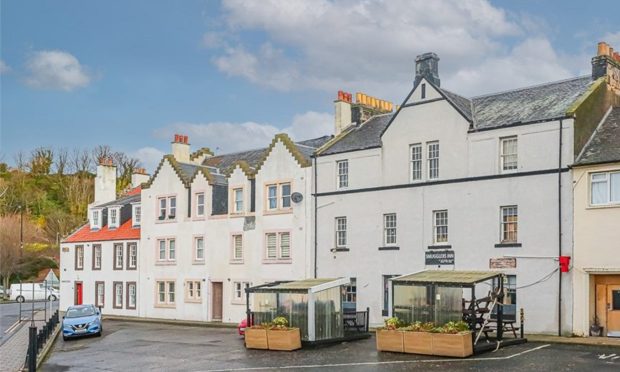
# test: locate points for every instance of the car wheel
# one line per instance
(52, 298)
(98, 334)
(20, 299)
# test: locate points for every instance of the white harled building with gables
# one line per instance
(454, 183)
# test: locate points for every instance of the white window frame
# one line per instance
(389, 229)
(114, 216)
(507, 163)
(277, 248)
(279, 199)
(415, 162)
(169, 258)
(432, 153)
(132, 299)
(437, 226)
(79, 257)
(608, 179)
(168, 299)
(200, 207)
(137, 215)
(97, 256)
(168, 207)
(117, 285)
(118, 259)
(342, 174)
(341, 225)
(95, 219)
(234, 256)
(196, 248)
(504, 212)
(100, 294)
(132, 255)
(193, 290)
(238, 288)
(238, 203)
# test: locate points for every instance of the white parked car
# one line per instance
(29, 291)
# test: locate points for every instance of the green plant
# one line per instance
(280, 322)
(393, 323)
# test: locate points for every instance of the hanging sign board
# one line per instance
(439, 257)
(503, 263)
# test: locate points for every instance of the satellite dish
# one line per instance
(296, 197)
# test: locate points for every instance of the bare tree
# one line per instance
(80, 161)
(125, 167)
(41, 160)
(62, 158)
(101, 152)
(20, 161)
(79, 191)
(10, 247)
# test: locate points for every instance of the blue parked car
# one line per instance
(81, 320)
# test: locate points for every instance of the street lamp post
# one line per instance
(21, 231)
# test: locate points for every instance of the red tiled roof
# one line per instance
(135, 191)
(85, 234)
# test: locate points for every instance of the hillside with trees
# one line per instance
(43, 198)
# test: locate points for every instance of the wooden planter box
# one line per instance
(454, 345)
(390, 341)
(418, 342)
(256, 338)
(287, 339)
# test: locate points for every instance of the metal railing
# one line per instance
(36, 340)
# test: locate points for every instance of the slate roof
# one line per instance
(537, 103)
(604, 145)
(525, 105)
(361, 137)
(131, 196)
(254, 157)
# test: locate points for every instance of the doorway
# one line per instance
(216, 301)
(608, 304)
(78, 293)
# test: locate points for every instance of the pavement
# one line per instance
(129, 345)
(9, 316)
(13, 351)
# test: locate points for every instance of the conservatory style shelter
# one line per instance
(312, 305)
(441, 296)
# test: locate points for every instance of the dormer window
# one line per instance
(137, 215)
(95, 222)
(113, 218)
(167, 207)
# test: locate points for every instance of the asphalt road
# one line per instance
(9, 314)
(128, 346)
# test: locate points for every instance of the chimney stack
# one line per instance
(105, 181)
(180, 148)
(138, 177)
(342, 106)
(427, 66)
(606, 63)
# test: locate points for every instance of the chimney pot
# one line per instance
(603, 49)
(611, 51)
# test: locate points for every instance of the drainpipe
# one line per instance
(316, 209)
(560, 230)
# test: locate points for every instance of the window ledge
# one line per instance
(277, 211)
(158, 221)
(278, 261)
(165, 263)
(166, 306)
(236, 262)
(507, 245)
(440, 246)
(389, 248)
(197, 301)
(198, 262)
(603, 206)
(340, 249)
(236, 215)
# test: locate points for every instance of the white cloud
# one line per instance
(4, 68)
(226, 137)
(371, 46)
(55, 69)
(149, 157)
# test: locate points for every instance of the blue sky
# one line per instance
(231, 74)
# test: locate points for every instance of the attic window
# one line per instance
(423, 93)
(113, 218)
(95, 223)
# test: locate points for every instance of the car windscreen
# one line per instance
(80, 312)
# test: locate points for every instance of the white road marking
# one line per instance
(382, 363)
(13, 326)
(605, 356)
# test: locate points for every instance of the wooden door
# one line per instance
(613, 310)
(217, 293)
(78, 293)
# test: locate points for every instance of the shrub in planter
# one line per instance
(256, 337)
(390, 338)
(417, 339)
(281, 337)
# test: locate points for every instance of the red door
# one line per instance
(78, 293)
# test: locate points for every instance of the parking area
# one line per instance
(142, 346)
